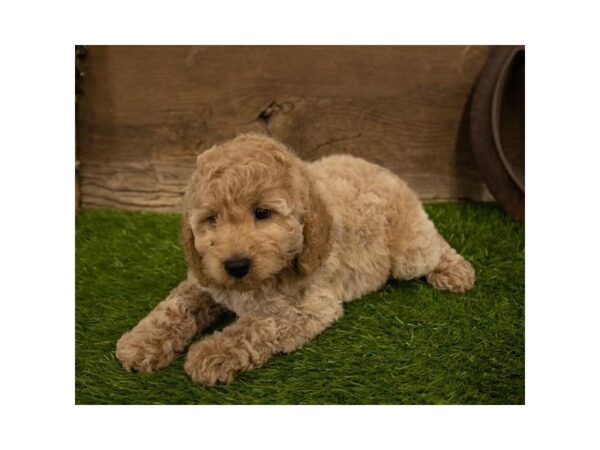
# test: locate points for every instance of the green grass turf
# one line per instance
(405, 344)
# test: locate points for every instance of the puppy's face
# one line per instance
(244, 208)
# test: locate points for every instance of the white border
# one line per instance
(37, 231)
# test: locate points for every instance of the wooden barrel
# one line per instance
(498, 127)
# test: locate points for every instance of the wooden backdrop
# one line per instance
(147, 111)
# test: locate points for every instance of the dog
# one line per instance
(283, 243)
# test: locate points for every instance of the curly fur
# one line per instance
(339, 228)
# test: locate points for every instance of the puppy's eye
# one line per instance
(212, 220)
(261, 213)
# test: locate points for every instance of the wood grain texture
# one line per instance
(148, 111)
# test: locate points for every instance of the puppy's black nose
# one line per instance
(237, 267)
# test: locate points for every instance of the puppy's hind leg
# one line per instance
(415, 245)
(419, 250)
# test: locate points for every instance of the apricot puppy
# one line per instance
(283, 244)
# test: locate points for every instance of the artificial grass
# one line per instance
(406, 344)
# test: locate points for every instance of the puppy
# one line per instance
(283, 244)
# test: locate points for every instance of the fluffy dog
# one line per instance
(283, 244)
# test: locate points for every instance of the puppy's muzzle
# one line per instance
(237, 267)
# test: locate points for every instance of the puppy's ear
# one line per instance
(317, 231)
(193, 259)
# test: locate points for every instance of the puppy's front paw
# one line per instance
(145, 354)
(214, 360)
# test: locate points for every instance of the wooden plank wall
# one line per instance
(147, 111)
